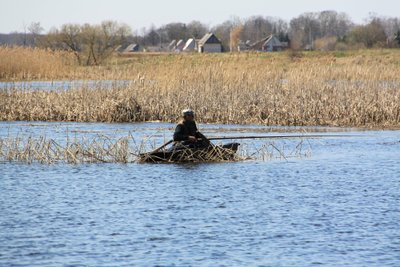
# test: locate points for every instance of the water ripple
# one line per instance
(338, 208)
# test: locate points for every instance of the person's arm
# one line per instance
(199, 135)
(178, 134)
(202, 136)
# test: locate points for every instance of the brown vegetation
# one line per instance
(19, 63)
(47, 151)
(337, 89)
(91, 44)
(104, 149)
(235, 37)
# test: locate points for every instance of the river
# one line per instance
(337, 206)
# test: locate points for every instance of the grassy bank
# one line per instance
(359, 88)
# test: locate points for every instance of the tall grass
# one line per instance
(355, 89)
(103, 149)
(47, 151)
(81, 105)
(24, 63)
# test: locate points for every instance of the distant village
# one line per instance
(209, 43)
(322, 31)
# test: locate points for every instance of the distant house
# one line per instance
(153, 49)
(132, 48)
(179, 45)
(285, 45)
(209, 44)
(190, 45)
(172, 45)
(269, 44)
(119, 49)
(244, 46)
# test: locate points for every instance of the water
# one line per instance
(64, 85)
(74, 84)
(338, 207)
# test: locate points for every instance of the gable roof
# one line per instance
(273, 40)
(209, 38)
(131, 48)
(180, 44)
(190, 45)
(172, 44)
(270, 39)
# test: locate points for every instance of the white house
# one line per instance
(179, 45)
(269, 44)
(190, 46)
(209, 44)
(171, 46)
(132, 48)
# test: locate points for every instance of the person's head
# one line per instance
(188, 114)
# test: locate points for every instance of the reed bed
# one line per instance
(48, 151)
(24, 63)
(315, 89)
(103, 149)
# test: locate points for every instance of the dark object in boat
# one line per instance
(178, 153)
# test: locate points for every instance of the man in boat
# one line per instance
(186, 132)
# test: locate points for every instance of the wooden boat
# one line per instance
(182, 153)
(212, 152)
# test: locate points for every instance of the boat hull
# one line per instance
(186, 154)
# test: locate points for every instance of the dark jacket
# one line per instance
(185, 129)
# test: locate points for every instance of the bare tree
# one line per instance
(333, 24)
(91, 44)
(223, 30)
(306, 27)
(196, 29)
(175, 31)
(151, 37)
(70, 37)
(256, 28)
(310, 26)
(110, 35)
(235, 37)
(370, 35)
(35, 29)
(391, 27)
(397, 37)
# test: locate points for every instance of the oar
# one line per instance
(257, 137)
(161, 147)
(277, 136)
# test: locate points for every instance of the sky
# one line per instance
(15, 14)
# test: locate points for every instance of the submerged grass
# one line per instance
(102, 149)
(48, 151)
(360, 88)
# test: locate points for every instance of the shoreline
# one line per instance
(238, 125)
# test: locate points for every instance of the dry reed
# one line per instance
(102, 149)
(335, 89)
(48, 151)
(24, 63)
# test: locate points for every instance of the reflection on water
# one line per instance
(339, 207)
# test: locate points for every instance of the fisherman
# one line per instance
(186, 132)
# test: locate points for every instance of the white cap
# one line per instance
(187, 112)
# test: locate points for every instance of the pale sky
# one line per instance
(14, 14)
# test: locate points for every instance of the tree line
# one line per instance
(326, 30)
